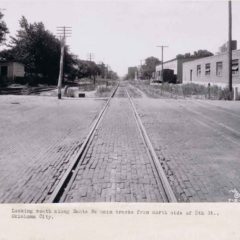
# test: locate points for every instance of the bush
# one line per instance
(225, 94)
(3, 82)
(71, 92)
(184, 90)
(103, 91)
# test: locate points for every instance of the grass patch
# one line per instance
(103, 91)
(188, 90)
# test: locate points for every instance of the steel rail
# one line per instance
(160, 172)
(59, 190)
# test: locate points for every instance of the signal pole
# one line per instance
(63, 32)
(162, 47)
(230, 48)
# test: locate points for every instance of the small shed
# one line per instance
(11, 70)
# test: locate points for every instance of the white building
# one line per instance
(175, 64)
(213, 70)
(11, 70)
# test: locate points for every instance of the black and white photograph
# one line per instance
(119, 101)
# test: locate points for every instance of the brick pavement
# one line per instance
(117, 166)
(195, 143)
(39, 136)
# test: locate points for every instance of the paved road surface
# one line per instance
(39, 135)
(117, 166)
(198, 144)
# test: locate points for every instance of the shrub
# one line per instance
(103, 91)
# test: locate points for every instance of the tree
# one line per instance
(202, 53)
(3, 29)
(197, 54)
(102, 70)
(149, 67)
(112, 75)
(39, 50)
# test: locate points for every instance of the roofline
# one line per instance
(237, 50)
(186, 59)
(171, 60)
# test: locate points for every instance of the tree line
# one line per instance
(39, 50)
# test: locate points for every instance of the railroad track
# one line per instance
(161, 178)
(59, 190)
(25, 91)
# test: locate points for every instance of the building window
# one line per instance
(235, 67)
(207, 69)
(219, 68)
(198, 70)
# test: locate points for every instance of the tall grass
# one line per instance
(103, 91)
(188, 90)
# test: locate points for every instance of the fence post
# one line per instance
(209, 93)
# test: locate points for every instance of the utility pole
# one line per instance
(141, 72)
(90, 56)
(230, 48)
(106, 71)
(63, 32)
(162, 47)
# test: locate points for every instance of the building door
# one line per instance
(191, 75)
(4, 71)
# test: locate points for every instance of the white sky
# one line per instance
(121, 33)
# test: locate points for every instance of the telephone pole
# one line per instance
(90, 56)
(230, 48)
(141, 70)
(62, 32)
(162, 47)
(106, 71)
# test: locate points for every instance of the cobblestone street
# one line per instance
(197, 143)
(117, 166)
(39, 135)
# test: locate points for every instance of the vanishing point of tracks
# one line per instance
(161, 181)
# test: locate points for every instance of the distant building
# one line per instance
(11, 70)
(132, 72)
(213, 69)
(173, 64)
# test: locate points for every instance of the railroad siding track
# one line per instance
(25, 91)
(60, 194)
